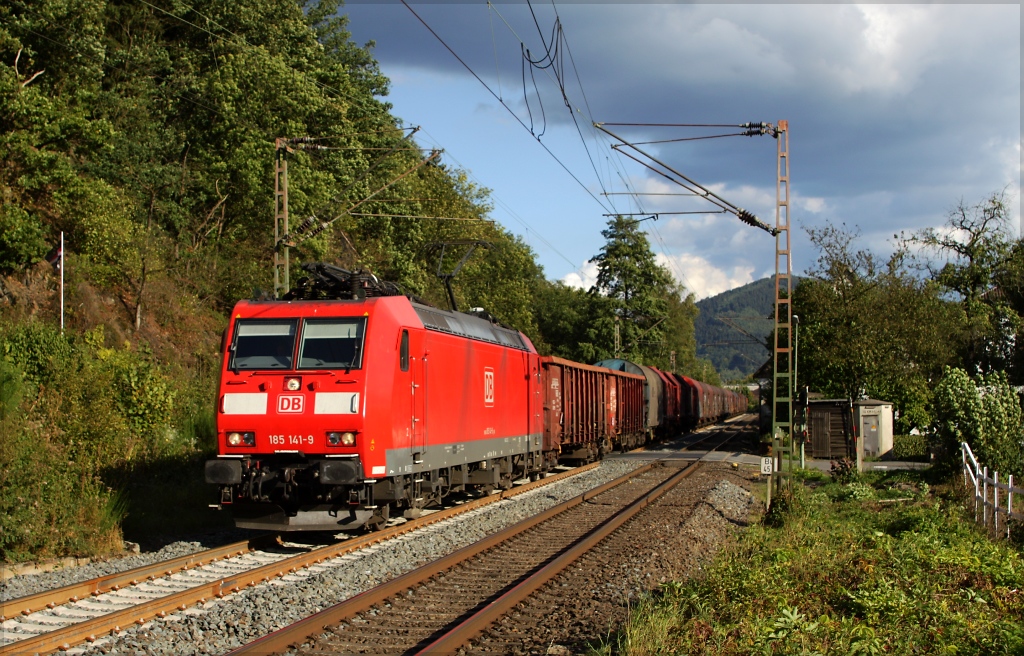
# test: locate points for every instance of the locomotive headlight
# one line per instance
(341, 439)
(241, 439)
(292, 384)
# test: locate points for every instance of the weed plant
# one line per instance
(93, 439)
(885, 564)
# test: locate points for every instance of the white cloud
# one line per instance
(810, 204)
(694, 272)
(896, 113)
(701, 277)
(582, 278)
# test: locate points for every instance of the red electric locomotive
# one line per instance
(347, 402)
(334, 413)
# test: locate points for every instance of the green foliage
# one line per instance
(909, 447)
(975, 251)
(872, 327)
(21, 238)
(50, 507)
(986, 414)
(638, 286)
(846, 574)
(10, 389)
(50, 503)
(74, 425)
(750, 307)
(575, 324)
(38, 350)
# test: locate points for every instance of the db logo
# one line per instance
(289, 403)
(488, 387)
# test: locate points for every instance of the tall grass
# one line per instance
(879, 566)
(96, 438)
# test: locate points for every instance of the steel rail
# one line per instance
(88, 630)
(477, 623)
(112, 582)
(460, 635)
(710, 434)
(284, 638)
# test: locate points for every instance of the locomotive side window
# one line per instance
(263, 344)
(332, 344)
(403, 354)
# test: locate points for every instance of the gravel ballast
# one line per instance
(670, 541)
(30, 584)
(224, 624)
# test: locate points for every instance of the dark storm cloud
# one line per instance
(876, 96)
(895, 111)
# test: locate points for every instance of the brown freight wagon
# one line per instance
(590, 410)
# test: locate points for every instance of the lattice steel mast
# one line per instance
(784, 366)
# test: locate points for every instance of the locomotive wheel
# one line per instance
(379, 518)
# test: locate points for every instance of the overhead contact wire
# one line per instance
(496, 97)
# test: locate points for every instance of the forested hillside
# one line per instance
(145, 133)
(732, 328)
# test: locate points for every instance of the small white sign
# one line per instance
(766, 465)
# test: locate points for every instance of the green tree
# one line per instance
(870, 326)
(638, 286)
(574, 323)
(973, 251)
(680, 338)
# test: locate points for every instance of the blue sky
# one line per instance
(896, 113)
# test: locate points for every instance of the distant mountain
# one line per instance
(722, 322)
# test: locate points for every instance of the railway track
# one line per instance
(59, 619)
(441, 606)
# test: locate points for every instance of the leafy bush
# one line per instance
(847, 577)
(39, 350)
(77, 417)
(986, 414)
(10, 389)
(21, 237)
(51, 505)
(909, 447)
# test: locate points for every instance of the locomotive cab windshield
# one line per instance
(331, 344)
(335, 343)
(263, 344)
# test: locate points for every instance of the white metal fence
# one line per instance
(987, 501)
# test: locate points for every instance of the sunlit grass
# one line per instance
(883, 565)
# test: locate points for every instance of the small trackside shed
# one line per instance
(873, 420)
(830, 428)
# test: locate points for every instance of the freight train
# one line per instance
(348, 402)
